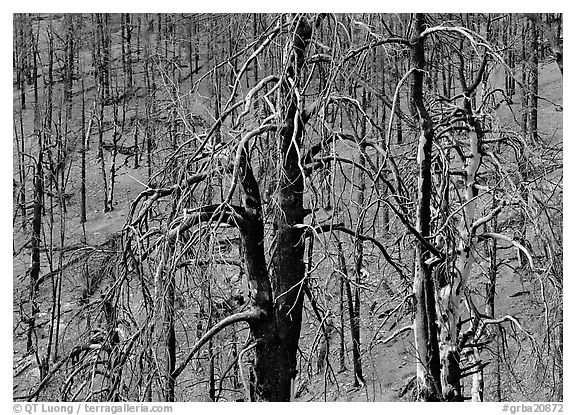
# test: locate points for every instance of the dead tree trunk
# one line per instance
(552, 36)
(275, 312)
(83, 137)
(358, 257)
(354, 321)
(277, 332)
(288, 258)
(100, 156)
(112, 177)
(425, 326)
(454, 285)
(35, 250)
(532, 125)
(169, 334)
(69, 64)
(127, 55)
(342, 345)
(20, 147)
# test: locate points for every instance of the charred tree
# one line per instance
(425, 326)
(277, 348)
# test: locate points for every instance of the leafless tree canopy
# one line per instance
(310, 207)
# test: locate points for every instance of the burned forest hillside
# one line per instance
(287, 207)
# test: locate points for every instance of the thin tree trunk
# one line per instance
(169, 335)
(136, 144)
(35, 246)
(149, 111)
(384, 144)
(112, 178)
(104, 48)
(354, 331)
(21, 51)
(20, 147)
(34, 50)
(491, 299)
(100, 156)
(128, 56)
(49, 101)
(358, 258)
(69, 64)
(60, 180)
(85, 133)
(342, 349)
(533, 85)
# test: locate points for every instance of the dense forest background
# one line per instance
(308, 207)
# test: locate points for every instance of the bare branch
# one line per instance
(481, 221)
(232, 215)
(394, 101)
(239, 151)
(512, 241)
(414, 232)
(340, 227)
(156, 194)
(395, 334)
(245, 316)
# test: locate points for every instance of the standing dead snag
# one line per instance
(425, 327)
(35, 245)
(275, 313)
(452, 293)
(276, 351)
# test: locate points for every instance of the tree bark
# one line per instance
(354, 321)
(288, 258)
(69, 64)
(35, 249)
(454, 285)
(425, 327)
(277, 331)
(84, 138)
(532, 126)
(20, 148)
